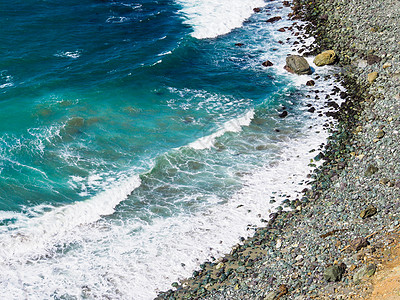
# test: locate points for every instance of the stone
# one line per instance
(371, 169)
(368, 212)
(283, 114)
(241, 269)
(386, 65)
(271, 296)
(372, 77)
(334, 273)
(364, 271)
(310, 83)
(384, 181)
(298, 65)
(273, 19)
(380, 134)
(325, 58)
(359, 243)
(286, 3)
(239, 44)
(373, 59)
(257, 9)
(282, 29)
(267, 63)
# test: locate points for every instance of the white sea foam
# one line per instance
(38, 236)
(234, 125)
(211, 18)
(5, 80)
(69, 54)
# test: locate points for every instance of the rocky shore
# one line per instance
(333, 241)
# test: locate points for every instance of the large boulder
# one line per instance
(297, 64)
(325, 58)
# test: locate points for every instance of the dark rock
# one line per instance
(323, 17)
(283, 114)
(239, 44)
(358, 243)
(273, 19)
(297, 64)
(311, 110)
(282, 29)
(286, 3)
(334, 273)
(373, 59)
(257, 9)
(267, 63)
(310, 83)
(368, 212)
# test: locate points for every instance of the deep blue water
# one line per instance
(118, 106)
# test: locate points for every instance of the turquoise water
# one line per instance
(121, 120)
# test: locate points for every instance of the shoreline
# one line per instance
(337, 236)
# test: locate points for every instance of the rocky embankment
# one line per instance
(337, 238)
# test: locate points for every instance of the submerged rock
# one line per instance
(325, 58)
(298, 65)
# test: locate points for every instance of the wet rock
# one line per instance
(286, 3)
(239, 44)
(273, 19)
(325, 58)
(257, 9)
(368, 212)
(358, 243)
(364, 271)
(373, 59)
(372, 77)
(267, 63)
(371, 169)
(334, 273)
(282, 29)
(310, 83)
(311, 110)
(298, 65)
(283, 114)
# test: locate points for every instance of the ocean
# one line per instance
(140, 138)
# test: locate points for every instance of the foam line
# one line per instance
(211, 18)
(234, 125)
(37, 236)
